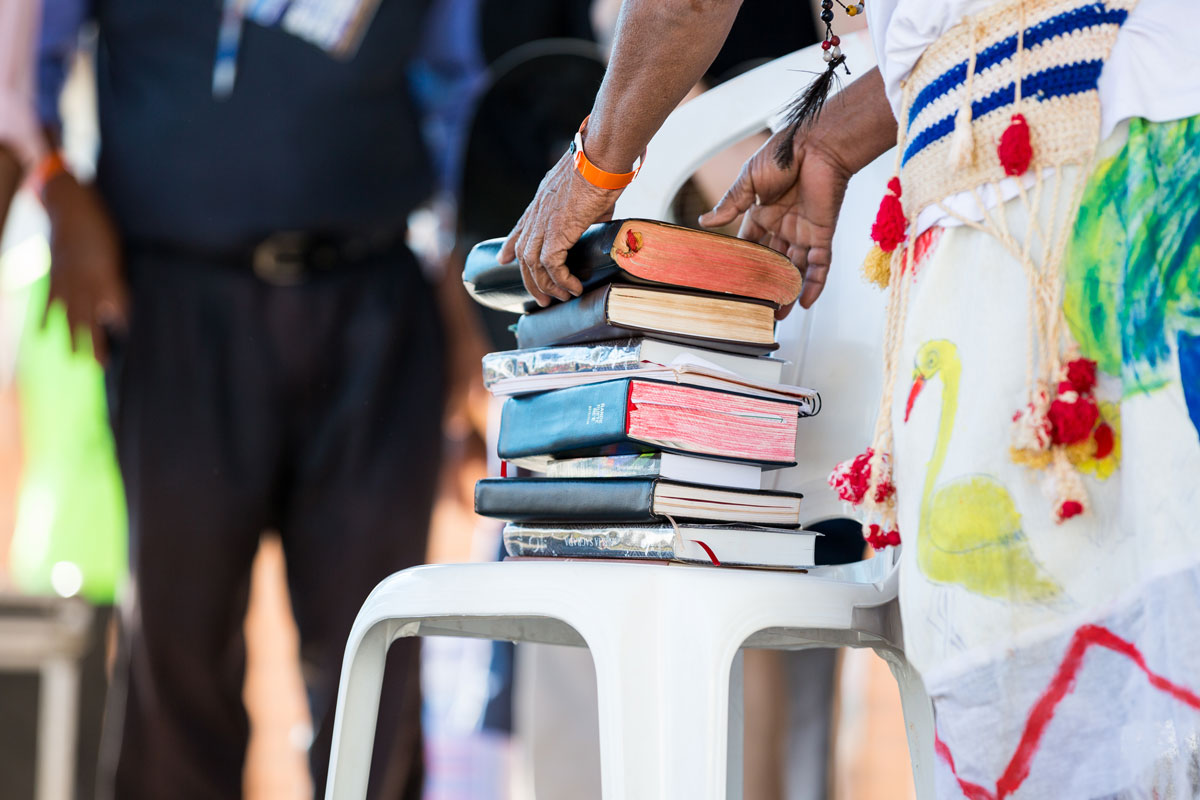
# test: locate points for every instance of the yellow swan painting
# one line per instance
(970, 530)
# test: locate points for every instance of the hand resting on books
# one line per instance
(795, 209)
(792, 210)
(564, 207)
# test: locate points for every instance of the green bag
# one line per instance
(71, 527)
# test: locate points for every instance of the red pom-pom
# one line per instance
(1081, 372)
(1072, 422)
(1015, 150)
(836, 40)
(1070, 508)
(888, 230)
(878, 538)
(893, 186)
(1105, 440)
(825, 45)
(850, 480)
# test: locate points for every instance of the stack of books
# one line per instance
(640, 417)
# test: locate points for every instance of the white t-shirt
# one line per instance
(1152, 72)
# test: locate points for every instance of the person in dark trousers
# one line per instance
(274, 358)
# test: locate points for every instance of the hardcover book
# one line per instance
(647, 251)
(630, 500)
(622, 310)
(672, 466)
(617, 356)
(720, 545)
(636, 415)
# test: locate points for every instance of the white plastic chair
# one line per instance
(48, 635)
(665, 639)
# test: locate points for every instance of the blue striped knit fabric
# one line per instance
(1058, 81)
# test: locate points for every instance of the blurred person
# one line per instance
(21, 145)
(274, 358)
(1048, 587)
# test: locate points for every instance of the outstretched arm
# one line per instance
(661, 49)
(794, 210)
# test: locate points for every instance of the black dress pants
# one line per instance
(240, 407)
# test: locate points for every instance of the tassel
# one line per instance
(851, 479)
(877, 268)
(962, 144)
(888, 230)
(1015, 150)
(805, 109)
(879, 538)
(1070, 496)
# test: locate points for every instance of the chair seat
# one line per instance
(664, 639)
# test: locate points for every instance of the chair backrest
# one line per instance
(833, 347)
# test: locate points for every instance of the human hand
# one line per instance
(563, 208)
(793, 210)
(85, 263)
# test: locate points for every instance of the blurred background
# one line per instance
(502, 86)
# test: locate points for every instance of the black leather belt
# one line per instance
(285, 258)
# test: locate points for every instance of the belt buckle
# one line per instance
(282, 258)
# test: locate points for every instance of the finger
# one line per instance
(74, 324)
(531, 257)
(777, 244)
(529, 274)
(814, 282)
(99, 343)
(799, 256)
(751, 230)
(555, 262)
(508, 250)
(51, 296)
(539, 297)
(783, 311)
(737, 198)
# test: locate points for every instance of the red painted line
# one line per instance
(1062, 684)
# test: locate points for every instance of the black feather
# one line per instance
(805, 110)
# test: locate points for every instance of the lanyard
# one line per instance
(336, 26)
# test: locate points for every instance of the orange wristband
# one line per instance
(593, 174)
(50, 167)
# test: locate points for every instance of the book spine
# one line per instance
(656, 542)
(566, 500)
(631, 465)
(592, 255)
(510, 364)
(563, 420)
(584, 319)
(499, 286)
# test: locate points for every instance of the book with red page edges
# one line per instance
(633, 415)
(644, 251)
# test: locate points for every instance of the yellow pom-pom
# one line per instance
(852, 10)
(877, 268)
(1034, 459)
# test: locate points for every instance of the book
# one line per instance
(640, 250)
(621, 310)
(616, 356)
(672, 466)
(637, 415)
(630, 500)
(686, 369)
(719, 545)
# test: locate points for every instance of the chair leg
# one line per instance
(358, 712)
(918, 721)
(665, 717)
(58, 711)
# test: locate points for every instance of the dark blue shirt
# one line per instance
(305, 141)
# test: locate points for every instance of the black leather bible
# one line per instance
(645, 251)
(630, 500)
